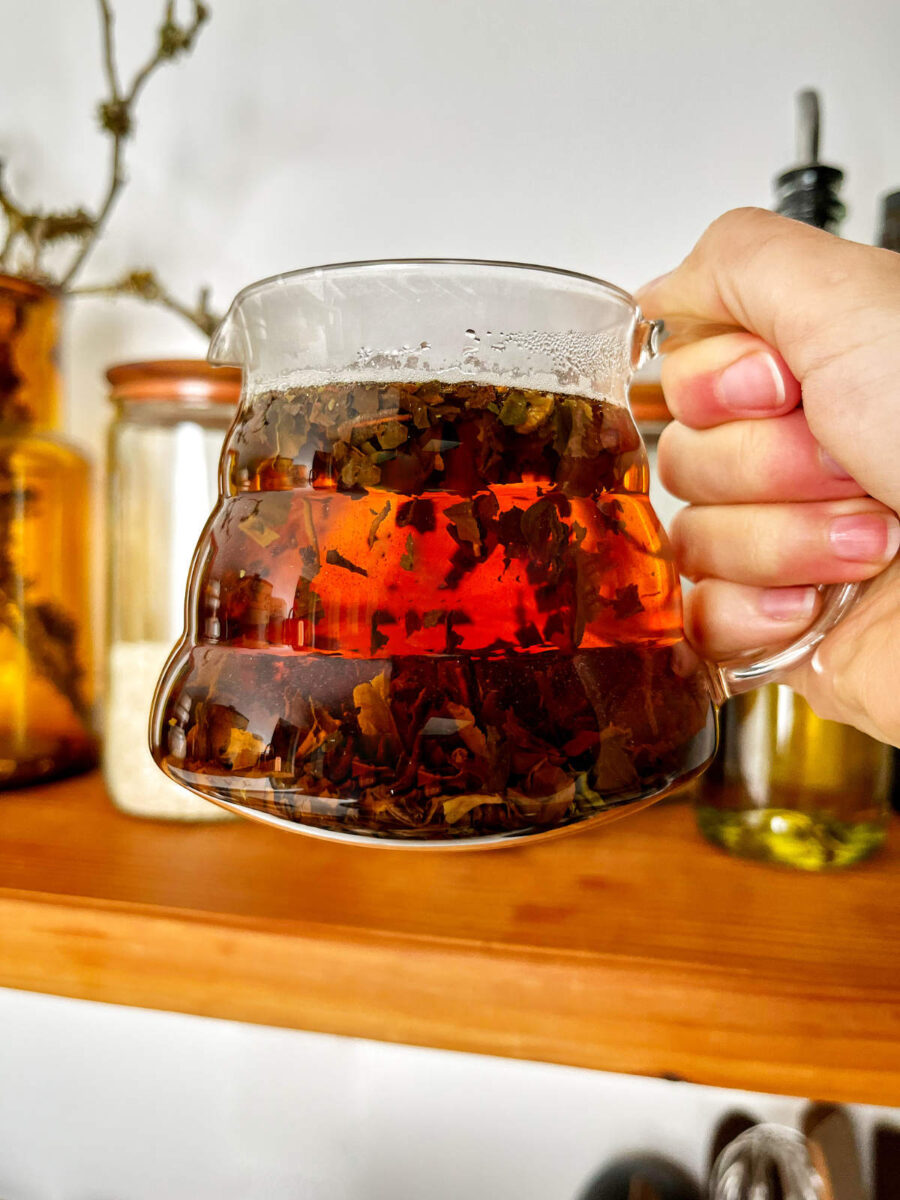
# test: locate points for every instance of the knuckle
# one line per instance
(669, 460)
(699, 613)
(680, 539)
(747, 475)
(742, 228)
(694, 541)
(746, 217)
(761, 549)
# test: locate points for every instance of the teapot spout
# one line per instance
(228, 346)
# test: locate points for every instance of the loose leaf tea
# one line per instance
(434, 611)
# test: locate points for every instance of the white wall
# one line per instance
(102, 1103)
(600, 135)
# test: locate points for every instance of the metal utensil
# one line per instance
(731, 1125)
(641, 1177)
(768, 1162)
(832, 1143)
(887, 1162)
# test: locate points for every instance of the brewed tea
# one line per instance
(433, 611)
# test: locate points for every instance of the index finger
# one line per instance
(798, 288)
(730, 377)
(828, 307)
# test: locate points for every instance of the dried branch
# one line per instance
(116, 111)
(115, 118)
(143, 285)
(14, 219)
(6, 248)
(38, 229)
(173, 40)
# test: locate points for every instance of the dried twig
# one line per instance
(143, 285)
(116, 111)
(36, 230)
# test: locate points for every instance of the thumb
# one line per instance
(830, 307)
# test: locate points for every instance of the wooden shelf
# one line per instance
(634, 948)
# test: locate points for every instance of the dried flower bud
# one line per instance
(174, 39)
(115, 117)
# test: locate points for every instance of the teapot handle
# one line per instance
(752, 670)
(646, 340)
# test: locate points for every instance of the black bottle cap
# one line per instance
(810, 192)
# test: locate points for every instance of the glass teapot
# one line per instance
(433, 605)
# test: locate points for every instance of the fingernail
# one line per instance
(753, 383)
(866, 537)
(832, 466)
(788, 603)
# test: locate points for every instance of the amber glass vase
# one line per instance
(46, 694)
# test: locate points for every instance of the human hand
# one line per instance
(765, 311)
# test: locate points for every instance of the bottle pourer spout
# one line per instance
(809, 191)
(808, 121)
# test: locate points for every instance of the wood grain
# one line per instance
(634, 948)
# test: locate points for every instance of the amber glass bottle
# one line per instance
(788, 787)
(45, 660)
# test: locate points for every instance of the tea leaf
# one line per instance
(391, 435)
(359, 469)
(514, 410)
(336, 559)
(469, 733)
(585, 740)
(373, 710)
(628, 602)
(418, 513)
(544, 532)
(376, 524)
(322, 728)
(614, 769)
(457, 807)
(255, 527)
(464, 525)
(379, 640)
(243, 750)
(539, 409)
(610, 513)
